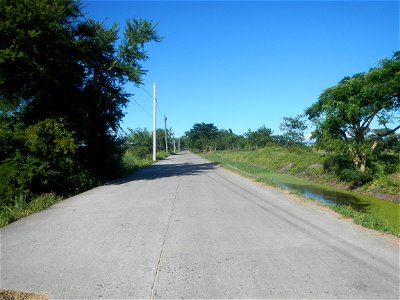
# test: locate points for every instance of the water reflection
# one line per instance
(327, 196)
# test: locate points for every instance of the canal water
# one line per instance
(328, 195)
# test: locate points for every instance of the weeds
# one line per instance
(366, 220)
(21, 208)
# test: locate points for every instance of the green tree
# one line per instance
(344, 113)
(139, 142)
(202, 137)
(62, 76)
(226, 140)
(293, 130)
(160, 137)
(259, 138)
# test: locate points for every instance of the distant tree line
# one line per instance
(62, 96)
(204, 137)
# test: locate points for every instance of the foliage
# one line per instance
(227, 140)
(365, 219)
(160, 138)
(139, 142)
(22, 208)
(62, 96)
(293, 129)
(344, 113)
(259, 138)
(202, 137)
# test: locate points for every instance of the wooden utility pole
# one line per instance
(166, 134)
(154, 124)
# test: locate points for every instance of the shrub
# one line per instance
(356, 177)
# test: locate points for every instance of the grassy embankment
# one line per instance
(23, 208)
(303, 168)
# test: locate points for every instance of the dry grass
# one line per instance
(17, 295)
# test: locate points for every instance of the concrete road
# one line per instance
(184, 228)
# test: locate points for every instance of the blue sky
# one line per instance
(242, 65)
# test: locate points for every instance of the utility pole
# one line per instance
(154, 124)
(166, 134)
(179, 145)
(174, 146)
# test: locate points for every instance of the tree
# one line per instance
(344, 113)
(65, 73)
(202, 137)
(259, 138)
(140, 142)
(160, 137)
(226, 140)
(293, 129)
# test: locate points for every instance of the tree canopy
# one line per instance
(202, 137)
(344, 113)
(61, 92)
(259, 138)
(293, 129)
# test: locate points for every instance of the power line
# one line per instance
(158, 103)
(141, 107)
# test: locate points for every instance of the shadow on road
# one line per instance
(166, 170)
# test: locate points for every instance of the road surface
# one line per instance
(184, 228)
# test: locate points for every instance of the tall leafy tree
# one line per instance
(140, 142)
(62, 74)
(259, 138)
(227, 140)
(202, 137)
(344, 113)
(293, 129)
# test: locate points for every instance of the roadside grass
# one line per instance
(23, 207)
(366, 220)
(132, 163)
(381, 215)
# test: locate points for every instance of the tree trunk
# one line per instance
(360, 160)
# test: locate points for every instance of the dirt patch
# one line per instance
(17, 295)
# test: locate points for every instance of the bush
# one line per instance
(357, 178)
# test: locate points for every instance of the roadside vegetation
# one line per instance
(62, 99)
(133, 159)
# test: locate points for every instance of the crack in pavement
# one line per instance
(163, 245)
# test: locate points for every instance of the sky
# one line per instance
(244, 64)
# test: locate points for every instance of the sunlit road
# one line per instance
(184, 228)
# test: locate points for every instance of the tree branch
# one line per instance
(369, 120)
(388, 132)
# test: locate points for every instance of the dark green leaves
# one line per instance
(62, 93)
(344, 113)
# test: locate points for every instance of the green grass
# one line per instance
(132, 163)
(23, 209)
(367, 220)
(264, 166)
